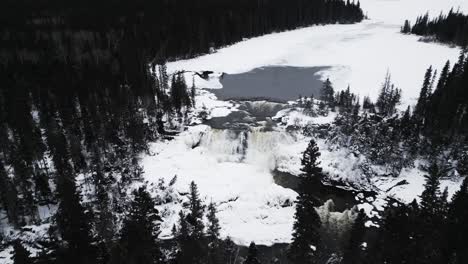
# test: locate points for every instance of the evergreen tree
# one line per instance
(457, 227)
(406, 124)
(229, 251)
(406, 27)
(252, 255)
(72, 222)
(398, 238)
(191, 242)
(213, 227)
(353, 253)
(431, 237)
(328, 93)
(367, 104)
(421, 106)
(196, 209)
(389, 97)
(430, 197)
(212, 235)
(139, 241)
(306, 239)
(20, 254)
(9, 197)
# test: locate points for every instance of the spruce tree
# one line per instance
(398, 240)
(139, 236)
(328, 93)
(430, 197)
(406, 27)
(431, 235)
(389, 97)
(252, 255)
(353, 252)
(191, 242)
(196, 210)
(421, 106)
(20, 254)
(305, 244)
(73, 223)
(212, 235)
(457, 226)
(8, 196)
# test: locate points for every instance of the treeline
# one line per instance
(450, 28)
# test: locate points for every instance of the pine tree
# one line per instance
(213, 227)
(104, 217)
(305, 244)
(406, 124)
(406, 28)
(457, 227)
(72, 221)
(353, 252)
(367, 104)
(389, 97)
(398, 240)
(430, 233)
(328, 93)
(421, 106)
(212, 235)
(196, 209)
(139, 236)
(229, 251)
(8, 196)
(252, 255)
(430, 198)
(20, 254)
(191, 242)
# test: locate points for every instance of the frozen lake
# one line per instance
(274, 82)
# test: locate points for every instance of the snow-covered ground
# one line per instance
(233, 169)
(360, 54)
(251, 206)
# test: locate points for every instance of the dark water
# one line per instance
(343, 198)
(273, 83)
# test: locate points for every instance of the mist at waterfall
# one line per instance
(253, 146)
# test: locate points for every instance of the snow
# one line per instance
(251, 207)
(414, 185)
(359, 54)
(209, 103)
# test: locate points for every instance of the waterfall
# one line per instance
(253, 146)
(226, 145)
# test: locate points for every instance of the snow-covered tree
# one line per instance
(306, 237)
